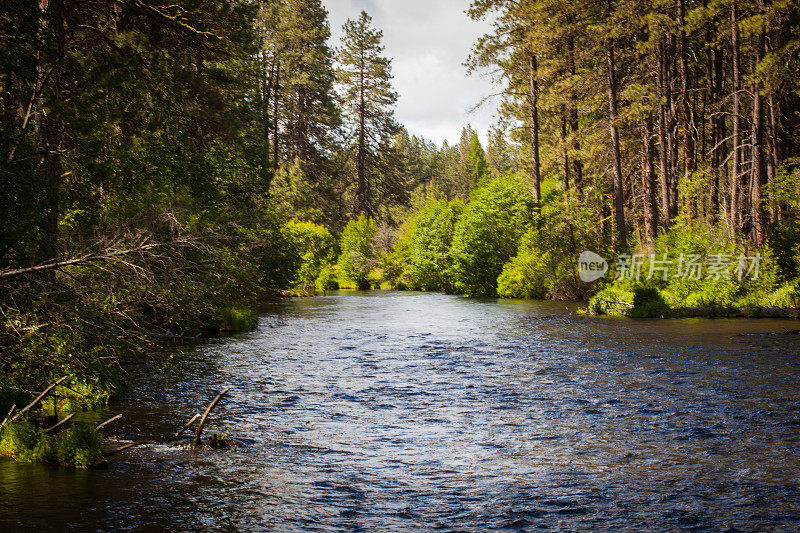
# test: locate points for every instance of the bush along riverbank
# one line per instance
(698, 271)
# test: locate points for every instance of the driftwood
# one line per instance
(60, 423)
(104, 424)
(131, 445)
(178, 433)
(37, 400)
(202, 423)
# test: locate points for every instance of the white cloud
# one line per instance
(428, 41)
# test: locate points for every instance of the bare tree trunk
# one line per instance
(735, 179)
(620, 236)
(362, 188)
(577, 163)
(275, 141)
(650, 203)
(48, 142)
(564, 152)
(758, 170)
(663, 152)
(689, 164)
(534, 126)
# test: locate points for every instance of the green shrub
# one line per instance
(487, 234)
(327, 280)
(429, 260)
(357, 257)
(648, 303)
(18, 438)
(79, 445)
(238, 319)
(316, 247)
(526, 276)
(614, 299)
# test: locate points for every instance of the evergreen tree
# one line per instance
(365, 76)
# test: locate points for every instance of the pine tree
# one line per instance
(365, 76)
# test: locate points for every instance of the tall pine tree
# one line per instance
(365, 77)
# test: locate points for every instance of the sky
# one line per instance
(428, 41)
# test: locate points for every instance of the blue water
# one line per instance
(425, 412)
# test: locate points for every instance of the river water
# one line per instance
(424, 412)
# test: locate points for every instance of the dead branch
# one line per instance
(60, 423)
(178, 433)
(38, 398)
(8, 415)
(131, 445)
(202, 423)
(104, 424)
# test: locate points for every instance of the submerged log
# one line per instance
(202, 423)
(112, 419)
(38, 399)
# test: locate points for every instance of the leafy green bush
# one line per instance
(614, 299)
(487, 234)
(429, 262)
(357, 257)
(18, 438)
(526, 276)
(316, 247)
(327, 280)
(79, 445)
(238, 319)
(648, 303)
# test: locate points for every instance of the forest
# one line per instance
(167, 167)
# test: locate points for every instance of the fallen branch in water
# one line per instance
(104, 424)
(127, 446)
(202, 423)
(178, 433)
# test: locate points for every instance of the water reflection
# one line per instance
(423, 412)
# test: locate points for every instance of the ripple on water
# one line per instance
(429, 412)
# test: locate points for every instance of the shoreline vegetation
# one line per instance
(168, 167)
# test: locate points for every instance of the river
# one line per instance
(424, 412)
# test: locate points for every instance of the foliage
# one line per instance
(316, 247)
(648, 303)
(487, 232)
(357, 257)
(238, 319)
(526, 276)
(79, 445)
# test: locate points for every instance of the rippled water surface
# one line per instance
(415, 412)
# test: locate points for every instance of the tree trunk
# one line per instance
(362, 192)
(577, 163)
(564, 151)
(758, 170)
(620, 236)
(663, 152)
(735, 178)
(649, 174)
(47, 131)
(689, 164)
(534, 126)
(275, 142)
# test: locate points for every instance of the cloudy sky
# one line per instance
(428, 40)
